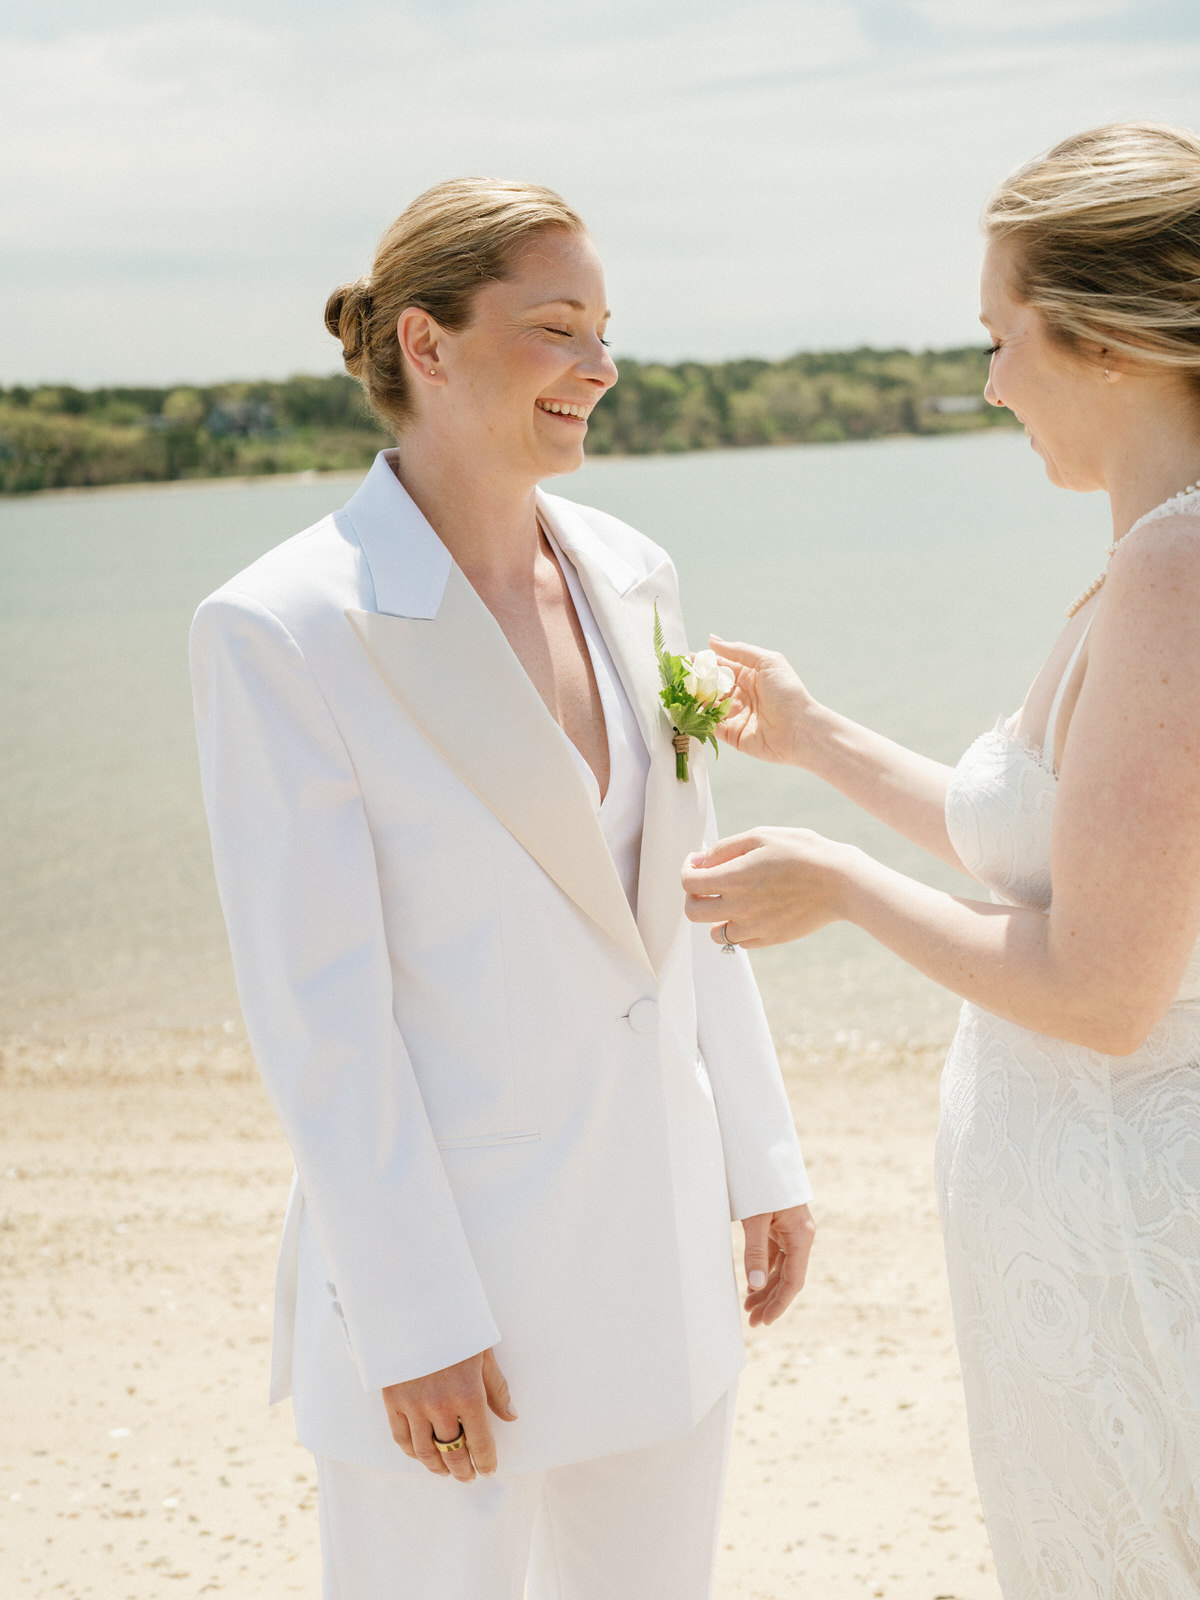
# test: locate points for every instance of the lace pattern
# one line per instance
(1069, 1190)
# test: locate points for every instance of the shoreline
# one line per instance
(313, 475)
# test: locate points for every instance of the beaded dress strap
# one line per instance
(1186, 503)
(1056, 704)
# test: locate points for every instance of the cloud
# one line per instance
(1020, 16)
(180, 188)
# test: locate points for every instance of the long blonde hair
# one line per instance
(1105, 230)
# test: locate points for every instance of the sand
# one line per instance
(142, 1179)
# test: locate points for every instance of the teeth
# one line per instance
(557, 409)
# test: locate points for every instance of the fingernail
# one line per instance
(511, 1413)
(757, 1279)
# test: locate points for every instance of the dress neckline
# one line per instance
(1023, 747)
(1180, 503)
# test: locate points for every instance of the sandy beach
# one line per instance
(141, 1187)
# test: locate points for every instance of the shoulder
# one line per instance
(628, 543)
(1158, 564)
(1149, 613)
(317, 573)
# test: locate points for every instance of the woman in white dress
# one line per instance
(1069, 1149)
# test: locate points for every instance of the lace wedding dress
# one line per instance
(1069, 1187)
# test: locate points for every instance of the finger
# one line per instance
(717, 855)
(756, 1298)
(495, 1386)
(758, 1305)
(704, 908)
(802, 1243)
(421, 1432)
(783, 1292)
(481, 1442)
(757, 1231)
(793, 1271)
(737, 654)
(446, 1426)
(402, 1433)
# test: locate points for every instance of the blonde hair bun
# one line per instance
(346, 312)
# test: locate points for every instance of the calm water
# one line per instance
(914, 583)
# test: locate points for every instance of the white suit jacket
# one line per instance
(519, 1116)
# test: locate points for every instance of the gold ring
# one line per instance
(448, 1445)
(727, 944)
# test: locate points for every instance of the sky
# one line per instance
(181, 185)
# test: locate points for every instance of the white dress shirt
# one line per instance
(623, 808)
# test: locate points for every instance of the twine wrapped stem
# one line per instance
(682, 742)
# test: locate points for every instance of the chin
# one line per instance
(555, 463)
(1048, 463)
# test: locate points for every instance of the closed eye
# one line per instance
(565, 333)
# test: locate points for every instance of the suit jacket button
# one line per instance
(643, 1016)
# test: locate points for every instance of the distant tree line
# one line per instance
(55, 437)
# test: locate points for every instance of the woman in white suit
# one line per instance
(523, 1095)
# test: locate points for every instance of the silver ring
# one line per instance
(727, 945)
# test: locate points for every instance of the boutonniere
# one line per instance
(696, 691)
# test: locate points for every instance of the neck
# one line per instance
(487, 520)
(1157, 456)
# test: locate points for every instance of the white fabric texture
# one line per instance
(487, 1066)
(1069, 1187)
(637, 1526)
(622, 810)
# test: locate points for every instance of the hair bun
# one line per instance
(346, 314)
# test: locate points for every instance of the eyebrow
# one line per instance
(562, 300)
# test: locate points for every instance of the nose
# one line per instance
(989, 392)
(599, 367)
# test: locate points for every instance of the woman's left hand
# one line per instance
(769, 886)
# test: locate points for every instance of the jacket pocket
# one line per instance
(480, 1141)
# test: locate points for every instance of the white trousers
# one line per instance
(639, 1526)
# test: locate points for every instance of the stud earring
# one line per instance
(433, 372)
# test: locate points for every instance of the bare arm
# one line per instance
(1102, 967)
(774, 717)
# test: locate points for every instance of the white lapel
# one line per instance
(676, 812)
(445, 658)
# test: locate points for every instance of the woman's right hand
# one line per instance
(442, 1405)
(768, 705)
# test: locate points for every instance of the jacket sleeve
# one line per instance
(763, 1165)
(299, 888)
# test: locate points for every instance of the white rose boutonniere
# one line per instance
(695, 691)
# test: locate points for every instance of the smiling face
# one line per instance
(517, 384)
(1062, 399)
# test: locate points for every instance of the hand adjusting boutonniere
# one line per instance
(696, 691)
